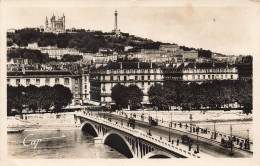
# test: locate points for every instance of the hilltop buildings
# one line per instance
(56, 25)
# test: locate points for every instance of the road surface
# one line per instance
(207, 146)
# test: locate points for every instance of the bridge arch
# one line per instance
(157, 154)
(117, 141)
(89, 128)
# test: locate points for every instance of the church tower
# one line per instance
(46, 23)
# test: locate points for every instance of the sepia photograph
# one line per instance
(129, 80)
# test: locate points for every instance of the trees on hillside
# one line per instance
(34, 55)
(71, 58)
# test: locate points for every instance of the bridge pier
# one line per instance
(98, 140)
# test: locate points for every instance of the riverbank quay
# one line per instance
(44, 121)
(202, 124)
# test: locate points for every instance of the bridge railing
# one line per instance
(138, 133)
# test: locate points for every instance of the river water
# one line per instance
(57, 144)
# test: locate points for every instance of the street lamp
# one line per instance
(156, 115)
(214, 130)
(231, 147)
(248, 139)
(169, 133)
(197, 141)
(190, 122)
(171, 119)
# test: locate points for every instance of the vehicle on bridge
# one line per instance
(131, 122)
(153, 122)
(186, 140)
(226, 143)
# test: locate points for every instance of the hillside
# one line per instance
(88, 42)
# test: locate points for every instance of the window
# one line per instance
(154, 77)
(198, 76)
(66, 81)
(76, 81)
(231, 76)
(136, 77)
(76, 90)
(208, 76)
(225, 76)
(85, 86)
(124, 78)
(38, 81)
(142, 84)
(149, 83)
(221, 76)
(8, 81)
(142, 77)
(148, 77)
(135, 71)
(57, 80)
(193, 77)
(204, 77)
(27, 81)
(17, 81)
(47, 81)
(118, 78)
(125, 71)
(212, 76)
(111, 78)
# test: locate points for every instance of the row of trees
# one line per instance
(124, 96)
(37, 98)
(216, 94)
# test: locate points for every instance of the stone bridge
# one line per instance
(130, 142)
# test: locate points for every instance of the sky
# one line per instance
(225, 29)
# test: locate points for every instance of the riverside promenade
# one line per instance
(181, 122)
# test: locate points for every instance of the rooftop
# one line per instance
(41, 73)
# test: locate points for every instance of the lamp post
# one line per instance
(169, 133)
(214, 130)
(248, 139)
(190, 122)
(231, 141)
(171, 119)
(156, 115)
(198, 141)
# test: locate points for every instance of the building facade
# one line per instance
(50, 78)
(104, 78)
(200, 72)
